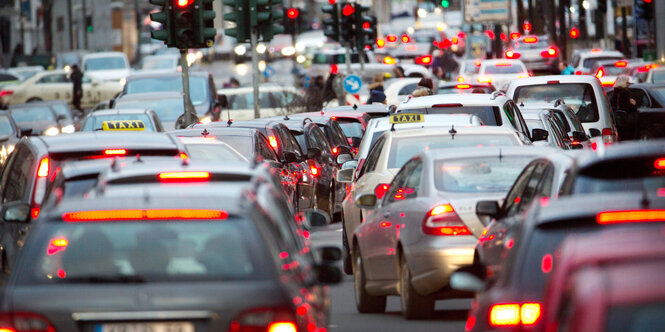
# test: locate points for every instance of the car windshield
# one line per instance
(198, 86)
(148, 251)
(658, 76)
(95, 122)
(213, 152)
(61, 109)
(167, 110)
(106, 63)
(579, 96)
(501, 68)
(159, 64)
(474, 175)
(351, 128)
(646, 316)
(33, 114)
(661, 92)
(530, 46)
(404, 148)
(243, 101)
(489, 115)
(6, 127)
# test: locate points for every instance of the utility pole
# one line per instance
(659, 11)
(138, 30)
(70, 18)
(190, 113)
(255, 70)
(85, 21)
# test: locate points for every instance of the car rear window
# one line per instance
(613, 176)
(462, 89)
(579, 96)
(475, 175)
(152, 251)
(242, 144)
(404, 148)
(507, 68)
(589, 62)
(489, 115)
(351, 128)
(636, 317)
(531, 46)
(214, 152)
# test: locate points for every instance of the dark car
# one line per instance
(650, 103)
(328, 123)
(373, 110)
(446, 88)
(201, 85)
(212, 260)
(95, 120)
(40, 117)
(29, 170)
(10, 134)
(512, 300)
(167, 105)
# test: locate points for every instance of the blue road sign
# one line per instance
(352, 83)
(268, 72)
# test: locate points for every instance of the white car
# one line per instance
(583, 93)
(500, 72)
(494, 109)
(274, 100)
(326, 61)
(106, 66)
(56, 85)
(656, 75)
(399, 89)
(158, 64)
(584, 61)
(468, 70)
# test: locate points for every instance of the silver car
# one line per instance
(426, 226)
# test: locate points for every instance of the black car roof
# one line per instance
(157, 95)
(95, 141)
(165, 75)
(624, 151)
(216, 131)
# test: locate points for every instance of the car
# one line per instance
(218, 249)
(446, 88)
(65, 60)
(325, 60)
(159, 64)
(61, 107)
(36, 159)
(607, 71)
(513, 299)
(200, 148)
(10, 134)
(353, 123)
(41, 118)
(537, 52)
(274, 100)
(650, 103)
(501, 72)
(425, 226)
(168, 106)
(201, 84)
(656, 75)
(416, 47)
(567, 118)
(331, 127)
(25, 72)
(373, 110)
(56, 85)
(637, 71)
(146, 119)
(583, 93)
(556, 133)
(106, 66)
(468, 71)
(494, 109)
(583, 61)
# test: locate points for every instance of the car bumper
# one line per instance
(433, 259)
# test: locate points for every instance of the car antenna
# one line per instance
(205, 132)
(500, 155)
(286, 117)
(355, 107)
(645, 198)
(138, 158)
(522, 104)
(452, 131)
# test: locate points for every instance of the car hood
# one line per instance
(108, 75)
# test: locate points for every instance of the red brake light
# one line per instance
(659, 163)
(381, 190)
(515, 35)
(314, 170)
(608, 135)
(273, 142)
(530, 40)
(600, 73)
(546, 263)
(596, 50)
(621, 64)
(55, 246)
(461, 35)
(578, 72)
(443, 220)
(424, 60)
(446, 105)
(282, 327)
(24, 322)
(484, 79)
(335, 150)
(380, 43)
(512, 55)
(183, 176)
(406, 39)
(6, 93)
(514, 314)
(460, 79)
(388, 60)
(463, 86)
(550, 53)
(157, 214)
(529, 313)
(43, 169)
(265, 319)
(614, 217)
(391, 38)
(115, 152)
(553, 82)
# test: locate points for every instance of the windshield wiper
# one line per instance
(107, 279)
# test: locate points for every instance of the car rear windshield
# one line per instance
(629, 174)
(242, 144)
(33, 114)
(489, 115)
(579, 96)
(503, 69)
(404, 148)
(214, 152)
(198, 86)
(167, 110)
(147, 251)
(589, 62)
(658, 76)
(351, 128)
(531, 46)
(636, 317)
(95, 122)
(474, 175)
(612, 70)
(6, 127)
(449, 90)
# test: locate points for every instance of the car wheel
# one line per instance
(348, 264)
(365, 303)
(34, 100)
(414, 305)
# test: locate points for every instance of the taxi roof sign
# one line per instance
(407, 118)
(123, 125)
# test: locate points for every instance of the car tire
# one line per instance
(414, 305)
(346, 258)
(365, 303)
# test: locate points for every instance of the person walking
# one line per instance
(77, 79)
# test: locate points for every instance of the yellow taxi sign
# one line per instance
(126, 125)
(407, 118)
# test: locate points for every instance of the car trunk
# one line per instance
(465, 207)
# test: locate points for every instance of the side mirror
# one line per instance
(488, 208)
(16, 212)
(342, 158)
(345, 175)
(366, 201)
(326, 271)
(344, 149)
(25, 131)
(316, 218)
(355, 141)
(350, 164)
(329, 255)
(538, 134)
(580, 136)
(289, 157)
(595, 132)
(313, 153)
(466, 281)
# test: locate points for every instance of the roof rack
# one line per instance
(496, 94)
(304, 121)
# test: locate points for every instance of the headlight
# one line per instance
(199, 54)
(191, 58)
(123, 81)
(51, 131)
(67, 68)
(205, 120)
(299, 47)
(10, 148)
(240, 50)
(261, 48)
(288, 51)
(68, 129)
(301, 58)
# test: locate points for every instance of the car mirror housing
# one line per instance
(366, 201)
(345, 175)
(316, 218)
(488, 208)
(579, 136)
(342, 158)
(289, 157)
(16, 212)
(538, 134)
(313, 153)
(356, 141)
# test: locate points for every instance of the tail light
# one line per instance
(183, 156)
(313, 169)
(613, 217)
(335, 150)
(550, 53)
(443, 220)
(391, 38)
(514, 314)
(460, 79)
(515, 35)
(380, 43)
(406, 39)
(6, 93)
(463, 86)
(659, 163)
(115, 152)
(608, 135)
(184, 176)
(388, 61)
(273, 142)
(24, 322)
(531, 40)
(578, 72)
(484, 79)
(265, 319)
(381, 190)
(620, 64)
(600, 73)
(153, 214)
(512, 55)
(40, 187)
(424, 60)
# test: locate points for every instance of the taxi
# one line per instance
(122, 120)
(425, 226)
(392, 150)
(513, 300)
(447, 88)
(584, 60)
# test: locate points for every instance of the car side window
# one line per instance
(510, 114)
(408, 89)
(520, 120)
(265, 150)
(640, 97)
(56, 78)
(373, 158)
(320, 139)
(288, 137)
(18, 177)
(545, 188)
(513, 198)
(395, 192)
(531, 189)
(412, 186)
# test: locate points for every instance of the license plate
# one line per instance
(146, 327)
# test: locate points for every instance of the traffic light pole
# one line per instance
(189, 116)
(255, 72)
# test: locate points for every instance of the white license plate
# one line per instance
(146, 327)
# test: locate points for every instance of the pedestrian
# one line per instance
(377, 82)
(449, 64)
(377, 97)
(426, 85)
(234, 83)
(565, 68)
(625, 109)
(77, 79)
(437, 65)
(315, 94)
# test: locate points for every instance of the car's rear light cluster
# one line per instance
(265, 319)
(512, 55)
(443, 220)
(186, 176)
(514, 314)
(24, 322)
(6, 93)
(550, 53)
(154, 214)
(600, 73)
(484, 79)
(608, 135)
(424, 60)
(115, 152)
(614, 217)
(381, 190)
(40, 187)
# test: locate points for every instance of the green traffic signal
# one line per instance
(445, 3)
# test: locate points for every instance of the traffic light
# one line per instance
(365, 27)
(574, 33)
(292, 20)
(269, 19)
(206, 32)
(240, 15)
(445, 3)
(183, 24)
(645, 10)
(163, 17)
(348, 23)
(331, 24)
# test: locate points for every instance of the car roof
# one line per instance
(116, 111)
(430, 120)
(495, 61)
(562, 79)
(443, 84)
(460, 130)
(471, 99)
(624, 151)
(346, 114)
(28, 105)
(103, 55)
(98, 140)
(367, 108)
(460, 153)
(150, 96)
(216, 131)
(164, 75)
(238, 170)
(263, 89)
(597, 53)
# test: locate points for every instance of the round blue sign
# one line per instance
(352, 83)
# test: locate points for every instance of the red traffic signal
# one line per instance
(348, 10)
(292, 13)
(366, 25)
(574, 33)
(183, 3)
(526, 26)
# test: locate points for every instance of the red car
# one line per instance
(610, 281)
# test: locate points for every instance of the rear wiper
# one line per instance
(107, 279)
